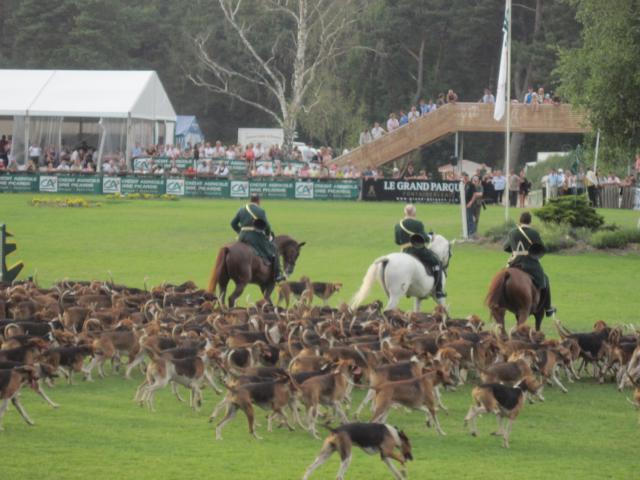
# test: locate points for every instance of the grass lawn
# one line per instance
(99, 433)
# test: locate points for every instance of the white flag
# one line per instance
(499, 108)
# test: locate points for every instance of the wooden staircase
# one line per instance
(463, 117)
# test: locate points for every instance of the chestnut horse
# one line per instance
(513, 290)
(238, 262)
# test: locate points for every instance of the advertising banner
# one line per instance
(18, 182)
(204, 187)
(336, 189)
(273, 188)
(142, 184)
(89, 184)
(411, 191)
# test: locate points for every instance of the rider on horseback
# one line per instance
(413, 239)
(526, 248)
(252, 227)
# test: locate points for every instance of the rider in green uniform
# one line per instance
(526, 248)
(252, 227)
(413, 239)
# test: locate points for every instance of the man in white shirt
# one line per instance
(265, 170)
(377, 131)
(488, 97)
(499, 183)
(222, 170)
(202, 167)
(365, 137)
(34, 153)
(413, 114)
(591, 182)
(208, 150)
(219, 151)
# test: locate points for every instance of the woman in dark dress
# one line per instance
(525, 187)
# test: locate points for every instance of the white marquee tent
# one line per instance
(113, 111)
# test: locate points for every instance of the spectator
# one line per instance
(202, 167)
(392, 122)
(431, 106)
(422, 175)
(258, 152)
(514, 188)
(365, 137)
(12, 166)
(441, 100)
(304, 171)
(288, 170)
(4, 151)
(452, 97)
(409, 173)
(488, 192)
(524, 189)
(591, 182)
(488, 96)
(404, 119)
(612, 179)
(638, 164)
(413, 114)
(265, 170)
(396, 173)
(34, 153)
(222, 170)
(377, 131)
(499, 182)
(470, 197)
(528, 97)
(552, 183)
(423, 107)
(89, 167)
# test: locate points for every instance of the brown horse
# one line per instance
(513, 290)
(238, 262)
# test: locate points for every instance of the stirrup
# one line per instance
(549, 312)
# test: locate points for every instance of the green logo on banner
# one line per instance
(239, 189)
(304, 190)
(48, 184)
(175, 187)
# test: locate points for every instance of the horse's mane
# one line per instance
(285, 240)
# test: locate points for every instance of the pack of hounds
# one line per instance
(301, 364)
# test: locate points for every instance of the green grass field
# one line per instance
(100, 433)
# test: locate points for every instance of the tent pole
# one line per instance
(103, 137)
(127, 153)
(27, 140)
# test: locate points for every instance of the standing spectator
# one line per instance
(413, 114)
(218, 152)
(403, 118)
(441, 101)
(409, 173)
(488, 96)
(196, 153)
(431, 106)
(34, 153)
(208, 150)
(528, 97)
(424, 108)
(612, 179)
(452, 97)
(591, 182)
(250, 156)
(377, 131)
(552, 182)
(638, 164)
(514, 188)
(4, 151)
(499, 182)
(525, 188)
(471, 197)
(258, 152)
(392, 123)
(365, 137)
(488, 191)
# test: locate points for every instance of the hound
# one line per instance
(417, 393)
(271, 395)
(505, 402)
(324, 290)
(10, 383)
(372, 438)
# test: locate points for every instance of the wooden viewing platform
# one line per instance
(464, 117)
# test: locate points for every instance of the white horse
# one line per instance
(401, 274)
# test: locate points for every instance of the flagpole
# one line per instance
(507, 152)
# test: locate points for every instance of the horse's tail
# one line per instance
(367, 282)
(497, 294)
(217, 270)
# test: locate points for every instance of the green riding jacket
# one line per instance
(243, 225)
(404, 230)
(526, 248)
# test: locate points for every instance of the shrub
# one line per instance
(632, 235)
(572, 210)
(499, 232)
(605, 239)
(67, 202)
(557, 237)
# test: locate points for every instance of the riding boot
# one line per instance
(277, 272)
(545, 295)
(438, 276)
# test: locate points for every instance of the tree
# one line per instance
(602, 75)
(280, 49)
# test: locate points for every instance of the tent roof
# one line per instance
(184, 123)
(85, 93)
